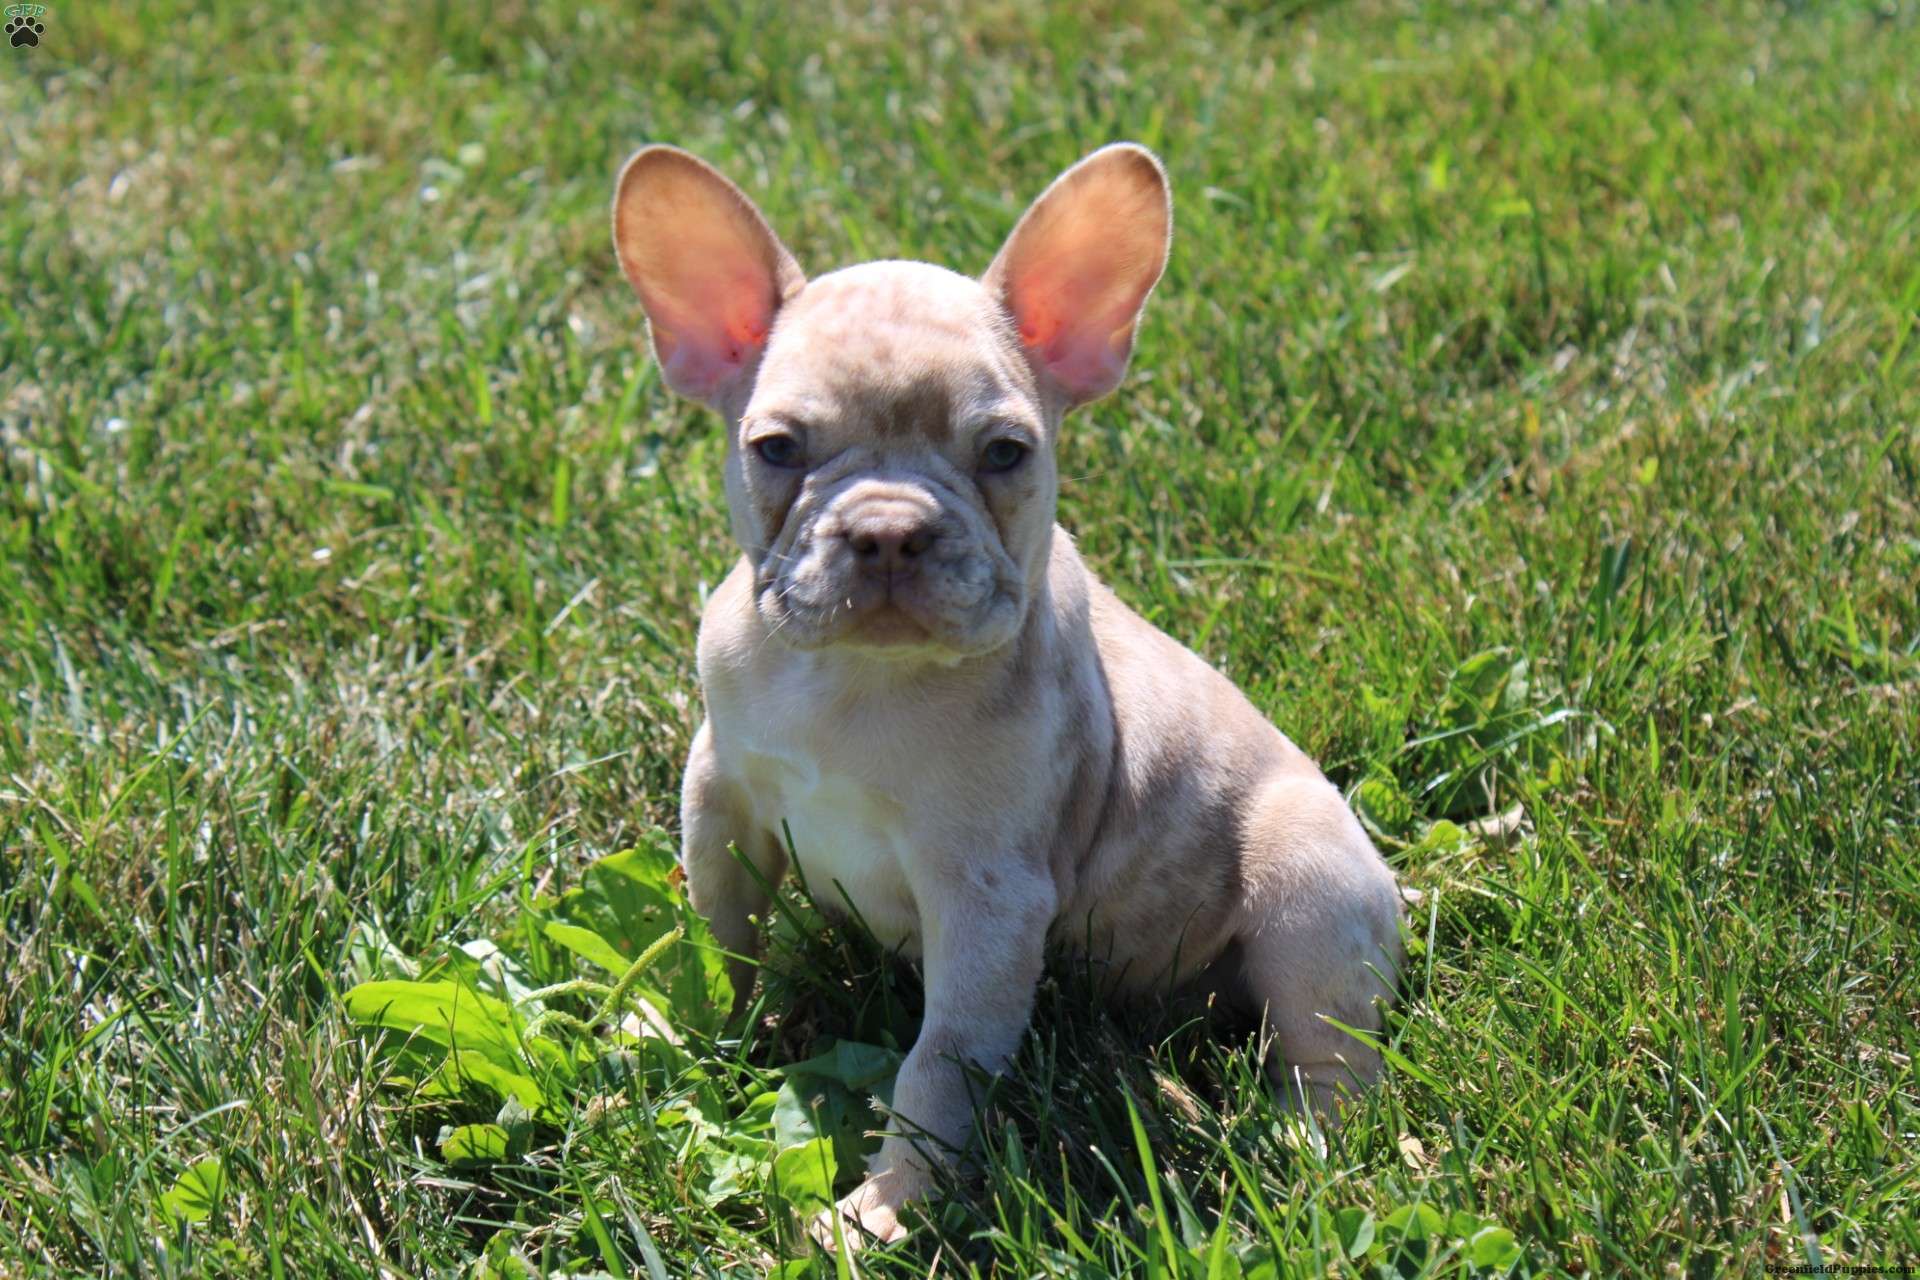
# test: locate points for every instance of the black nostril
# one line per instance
(889, 543)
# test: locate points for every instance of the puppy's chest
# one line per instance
(851, 831)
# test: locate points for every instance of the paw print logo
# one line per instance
(24, 27)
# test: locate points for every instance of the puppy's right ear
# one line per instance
(709, 271)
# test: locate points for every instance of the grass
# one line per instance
(1527, 421)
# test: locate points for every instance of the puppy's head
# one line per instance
(890, 466)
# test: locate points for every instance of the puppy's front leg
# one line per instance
(983, 936)
(713, 820)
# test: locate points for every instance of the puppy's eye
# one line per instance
(1002, 455)
(778, 451)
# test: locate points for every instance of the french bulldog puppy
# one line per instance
(973, 742)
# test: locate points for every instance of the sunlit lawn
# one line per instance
(1527, 422)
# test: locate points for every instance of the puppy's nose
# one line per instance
(890, 537)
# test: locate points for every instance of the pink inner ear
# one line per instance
(1079, 330)
(1036, 330)
(711, 332)
(1079, 265)
(748, 330)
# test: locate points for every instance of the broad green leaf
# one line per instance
(1493, 1247)
(371, 954)
(798, 1114)
(730, 1174)
(855, 1065)
(493, 971)
(502, 1261)
(815, 1107)
(1441, 837)
(1355, 1227)
(462, 1070)
(1462, 1224)
(1380, 801)
(758, 1113)
(1483, 673)
(1260, 1264)
(474, 1144)
(804, 1175)
(196, 1192)
(446, 1013)
(628, 900)
(1415, 1222)
(588, 945)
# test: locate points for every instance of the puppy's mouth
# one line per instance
(888, 625)
(963, 596)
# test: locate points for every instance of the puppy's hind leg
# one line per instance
(713, 820)
(1319, 939)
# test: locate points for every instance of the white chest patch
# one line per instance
(849, 842)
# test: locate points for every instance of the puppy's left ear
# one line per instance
(1079, 265)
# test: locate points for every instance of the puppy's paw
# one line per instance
(867, 1213)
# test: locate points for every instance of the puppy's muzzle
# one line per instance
(890, 536)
